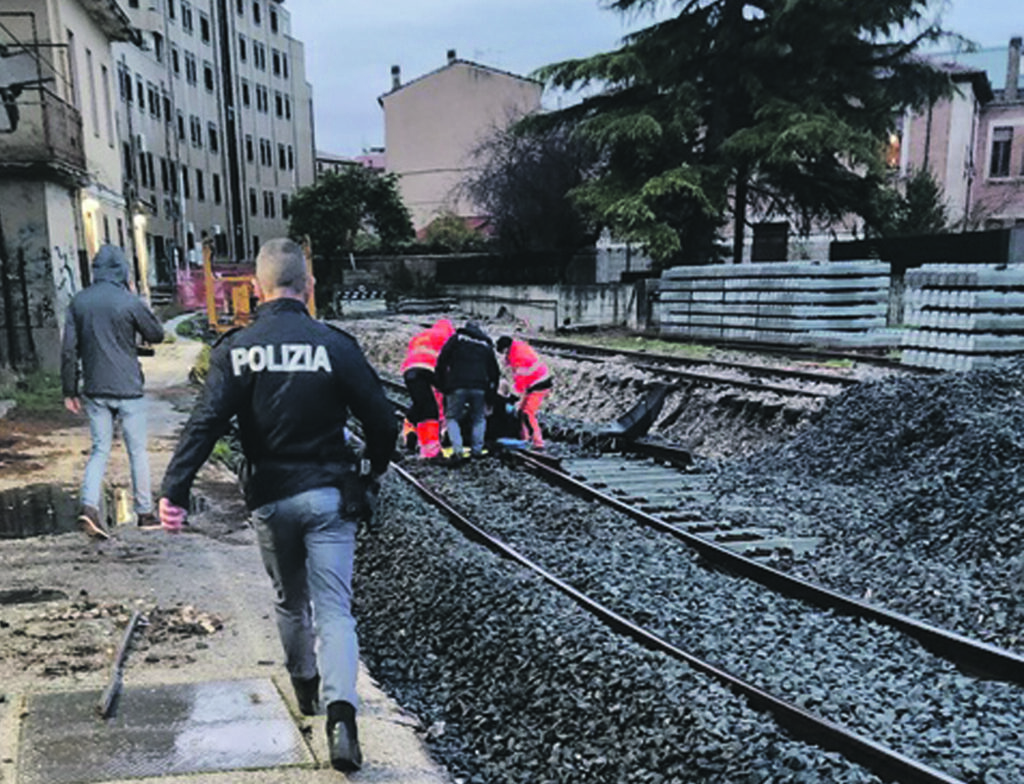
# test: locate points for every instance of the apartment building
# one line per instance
(973, 142)
(434, 123)
(60, 167)
(215, 117)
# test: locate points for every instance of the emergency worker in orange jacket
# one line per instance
(418, 374)
(531, 380)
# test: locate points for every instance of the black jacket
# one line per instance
(99, 332)
(467, 361)
(291, 381)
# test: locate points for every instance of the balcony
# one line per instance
(43, 133)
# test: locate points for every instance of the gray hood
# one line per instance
(110, 266)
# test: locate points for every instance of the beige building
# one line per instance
(433, 124)
(216, 128)
(60, 165)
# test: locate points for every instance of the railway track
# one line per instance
(835, 672)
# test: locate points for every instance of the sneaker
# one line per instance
(307, 693)
(89, 521)
(342, 740)
(147, 521)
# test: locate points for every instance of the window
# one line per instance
(284, 65)
(249, 155)
(108, 107)
(278, 104)
(1002, 143)
(204, 28)
(284, 205)
(259, 56)
(167, 107)
(186, 18)
(282, 159)
(181, 127)
(184, 182)
(275, 60)
(214, 137)
(243, 49)
(153, 95)
(200, 186)
(291, 157)
(245, 92)
(174, 177)
(170, 8)
(216, 188)
(208, 76)
(158, 47)
(175, 61)
(262, 99)
(287, 108)
(165, 174)
(196, 131)
(140, 93)
(256, 13)
(129, 169)
(273, 20)
(191, 75)
(253, 205)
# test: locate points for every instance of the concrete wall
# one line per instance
(40, 269)
(550, 308)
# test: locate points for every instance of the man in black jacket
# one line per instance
(291, 382)
(467, 372)
(100, 331)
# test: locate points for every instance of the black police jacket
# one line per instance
(291, 381)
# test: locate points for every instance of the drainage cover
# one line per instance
(35, 510)
(158, 731)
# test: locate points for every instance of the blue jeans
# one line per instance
(102, 411)
(308, 550)
(460, 405)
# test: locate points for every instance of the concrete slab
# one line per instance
(158, 730)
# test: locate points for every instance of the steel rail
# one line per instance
(803, 375)
(977, 658)
(884, 762)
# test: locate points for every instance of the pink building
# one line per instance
(973, 142)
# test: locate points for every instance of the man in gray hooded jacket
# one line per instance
(100, 335)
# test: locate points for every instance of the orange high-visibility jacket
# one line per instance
(424, 348)
(527, 367)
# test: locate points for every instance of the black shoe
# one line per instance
(342, 741)
(147, 521)
(89, 521)
(307, 693)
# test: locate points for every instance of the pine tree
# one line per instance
(782, 105)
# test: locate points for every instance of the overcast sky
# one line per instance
(352, 44)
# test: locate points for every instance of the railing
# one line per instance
(47, 131)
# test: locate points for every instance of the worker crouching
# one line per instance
(531, 380)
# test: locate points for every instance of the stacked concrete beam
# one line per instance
(842, 304)
(963, 316)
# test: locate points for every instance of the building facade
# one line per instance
(973, 142)
(60, 167)
(433, 125)
(216, 128)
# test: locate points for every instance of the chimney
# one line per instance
(1013, 70)
(396, 77)
(451, 54)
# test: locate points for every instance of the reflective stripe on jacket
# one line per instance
(527, 367)
(423, 350)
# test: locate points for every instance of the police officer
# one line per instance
(291, 381)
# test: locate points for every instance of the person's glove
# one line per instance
(172, 517)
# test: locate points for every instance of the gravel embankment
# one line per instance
(516, 684)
